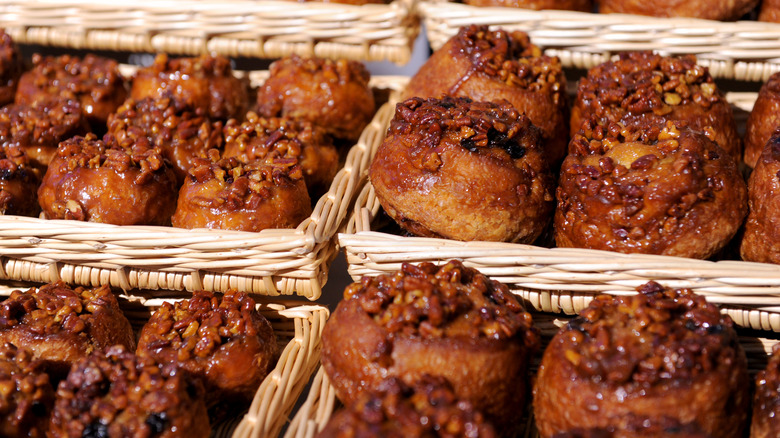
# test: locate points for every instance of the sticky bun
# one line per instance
(114, 393)
(761, 239)
(332, 94)
(464, 170)
(568, 5)
(11, 68)
(644, 88)
(18, 183)
(487, 65)
(230, 195)
(38, 128)
(61, 325)
(99, 181)
(728, 10)
(766, 401)
(427, 408)
(206, 82)
(181, 134)
(770, 11)
(258, 137)
(655, 190)
(764, 119)
(421, 320)
(94, 81)
(222, 340)
(26, 394)
(663, 356)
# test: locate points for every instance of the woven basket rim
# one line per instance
(741, 50)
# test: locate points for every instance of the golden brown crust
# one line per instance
(333, 95)
(719, 10)
(490, 66)
(11, 68)
(18, 183)
(258, 137)
(99, 181)
(39, 127)
(117, 394)
(181, 134)
(221, 340)
(26, 394)
(665, 355)
(230, 195)
(766, 402)
(770, 11)
(205, 82)
(446, 307)
(427, 409)
(644, 88)
(569, 5)
(764, 119)
(761, 240)
(61, 325)
(640, 428)
(638, 190)
(94, 81)
(463, 170)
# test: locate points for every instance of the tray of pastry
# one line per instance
(740, 50)
(435, 182)
(322, 403)
(272, 236)
(256, 29)
(184, 380)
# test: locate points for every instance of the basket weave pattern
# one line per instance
(745, 50)
(261, 29)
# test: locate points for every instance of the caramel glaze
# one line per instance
(770, 11)
(230, 195)
(487, 65)
(463, 170)
(654, 190)
(643, 88)
(427, 409)
(61, 325)
(569, 5)
(761, 240)
(99, 181)
(720, 10)
(39, 127)
(205, 82)
(18, 183)
(222, 340)
(763, 120)
(766, 402)
(114, 393)
(27, 394)
(421, 320)
(181, 134)
(664, 355)
(258, 137)
(94, 81)
(11, 68)
(332, 94)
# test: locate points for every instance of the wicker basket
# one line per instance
(316, 410)
(298, 328)
(271, 262)
(744, 50)
(566, 279)
(257, 29)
